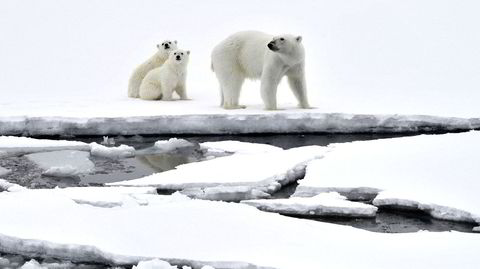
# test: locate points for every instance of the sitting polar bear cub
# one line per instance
(155, 61)
(254, 55)
(161, 82)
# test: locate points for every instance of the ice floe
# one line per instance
(239, 176)
(323, 204)
(122, 151)
(196, 233)
(10, 187)
(172, 144)
(13, 145)
(63, 163)
(433, 173)
(230, 146)
(221, 122)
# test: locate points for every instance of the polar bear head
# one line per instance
(285, 43)
(167, 46)
(179, 56)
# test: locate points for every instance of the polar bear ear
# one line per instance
(188, 52)
(299, 38)
(175, 41)
(158, 46)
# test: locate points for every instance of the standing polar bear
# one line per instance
(161, 82)
(155, 61)
(254, 55)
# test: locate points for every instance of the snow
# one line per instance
(323, 204)
(219, 234)
(172, 144)
(122, 151)
(22, 145)
(63, 163)
(230, 146)
(476, 229)
(252, 174)
(10, 187)
(154, 264)
(433, 173)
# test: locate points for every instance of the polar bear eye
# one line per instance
(181, 53)
(282, 39)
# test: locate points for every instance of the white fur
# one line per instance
(246, 55)
(161, 82)
(153, 62)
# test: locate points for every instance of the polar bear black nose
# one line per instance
(167, 46)
(272, 46)
(178, 58)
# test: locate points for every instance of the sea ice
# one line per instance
(172, 144)
(433, 173)
(122, 151)
(12, 145)
(230, 146)
(223, 235)
(250, 174)
(323, 204)
(63, 163)
(10, 187)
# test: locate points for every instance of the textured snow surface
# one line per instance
(220, 234)
(239, 176)
(434, 173)
(63, 163)
(323, 204)
(21, 145)
(122, 151)
(230, 146)
(154, 264)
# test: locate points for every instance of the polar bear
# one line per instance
(155, 61)
(161, 82)
(253, 55)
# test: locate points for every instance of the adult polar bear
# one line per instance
(252, 54)
(163, 51)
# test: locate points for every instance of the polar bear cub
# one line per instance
(253, 55)
(163, 51)
(161, 82)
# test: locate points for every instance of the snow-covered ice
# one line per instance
(122, 151)
(220, 234)
(433, 173)
(22, 145)
(10, 187)
(239, 176)
(230, 146)
(172, 144)
(63, 163)
(323, 204)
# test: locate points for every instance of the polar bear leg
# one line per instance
(167, 91)
(182, 92)
(298, 86)
(134, 86)
(268, 89)
(150, 91)
(231, 84)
